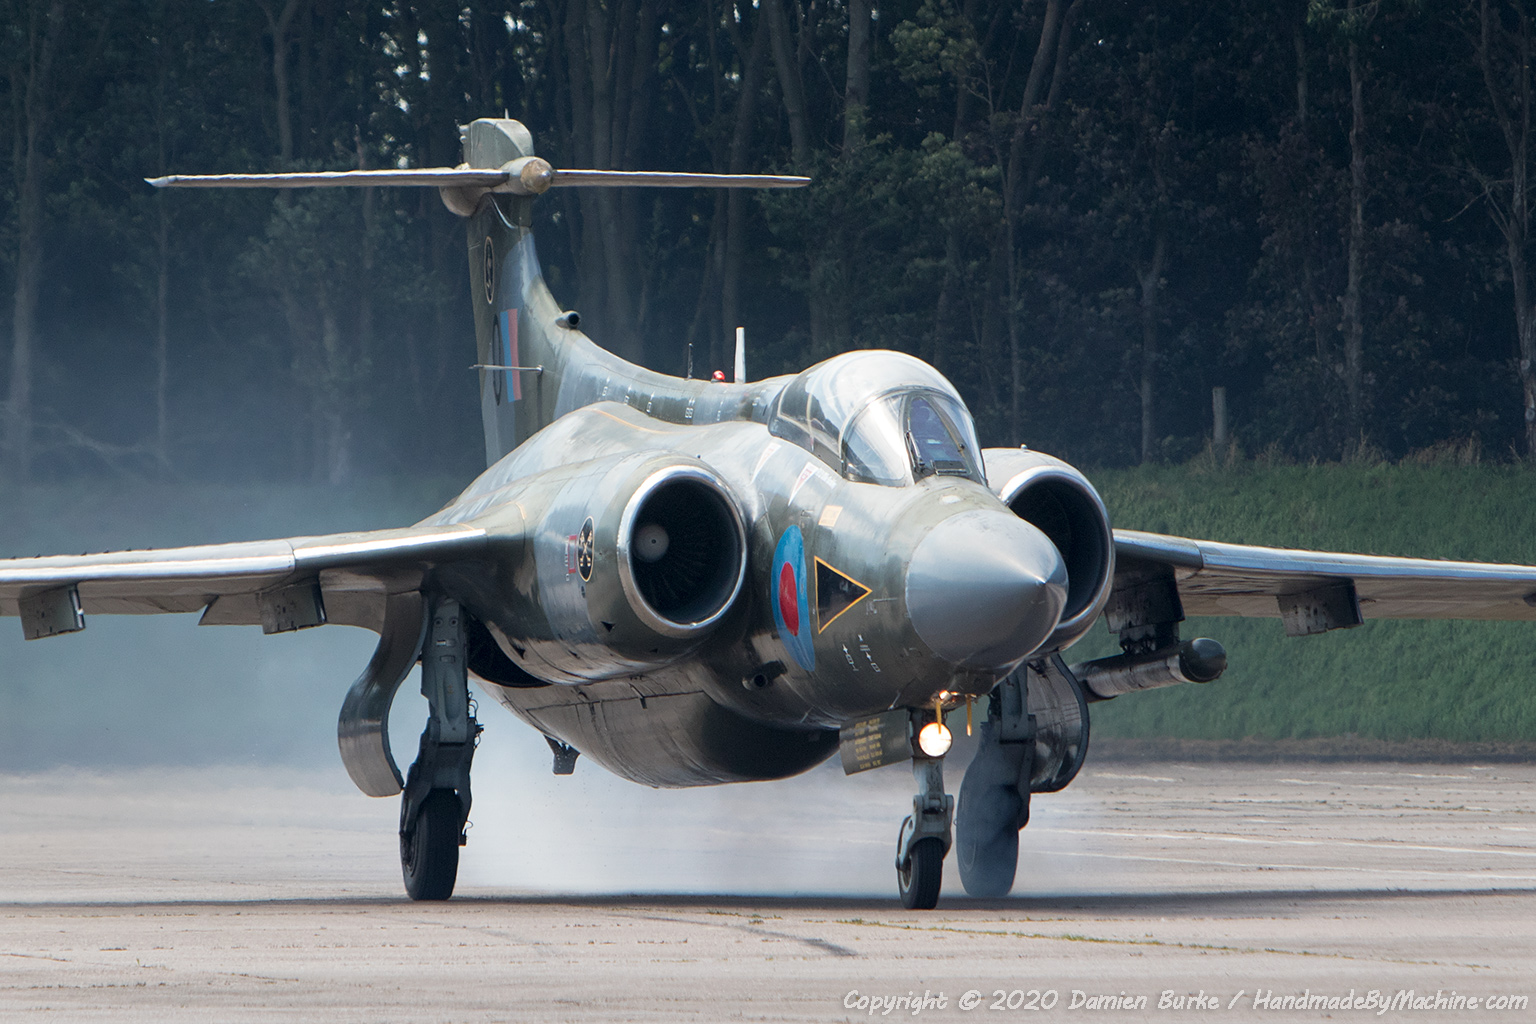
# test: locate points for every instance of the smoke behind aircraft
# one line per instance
(159, 689)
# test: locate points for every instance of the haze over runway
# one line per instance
(254, 894)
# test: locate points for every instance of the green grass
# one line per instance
(1459, 681)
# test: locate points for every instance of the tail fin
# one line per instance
(534, 364)
(519, 359)
(525, 343)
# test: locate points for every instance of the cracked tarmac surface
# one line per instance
(242, 894)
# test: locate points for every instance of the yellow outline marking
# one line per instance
(624, 422)
(816, 588)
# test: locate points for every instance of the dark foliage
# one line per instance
(1087, 213)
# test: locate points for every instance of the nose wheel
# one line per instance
(925, 837)
(919, 880)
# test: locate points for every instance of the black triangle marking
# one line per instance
(836, 592)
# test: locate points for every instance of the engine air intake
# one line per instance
(683, 550)
(1066, 514)
(1060, 502)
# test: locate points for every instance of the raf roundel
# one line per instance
(790, 598)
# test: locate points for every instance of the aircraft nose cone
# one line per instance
(985, 588)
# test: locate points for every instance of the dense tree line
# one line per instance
(1088, 213)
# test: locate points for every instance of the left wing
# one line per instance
(280, 584)
(1313, 591)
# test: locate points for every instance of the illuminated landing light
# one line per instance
(934, 739)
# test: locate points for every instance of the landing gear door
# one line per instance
(1060, 711)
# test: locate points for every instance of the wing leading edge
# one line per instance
(280, 584)
(1298, 586)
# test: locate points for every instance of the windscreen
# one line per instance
(908, 436)
(879, 417)
(935, 448)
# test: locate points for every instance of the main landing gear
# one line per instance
(435, 805)
(1033, 741)
(994, 795)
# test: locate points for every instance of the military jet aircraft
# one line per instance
(695, 583)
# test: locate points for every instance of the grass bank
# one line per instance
(1393, 681)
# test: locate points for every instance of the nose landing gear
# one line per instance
(925, 836)
(435, 805)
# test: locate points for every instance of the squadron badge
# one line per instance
(584, 546)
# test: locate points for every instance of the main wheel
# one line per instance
(987, 864)
(992, 809)
(429, 858)
(919, 881)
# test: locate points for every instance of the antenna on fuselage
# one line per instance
(741, 355)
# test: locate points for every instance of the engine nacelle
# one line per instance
(634, 561)
(1060, 502)
(678, 550)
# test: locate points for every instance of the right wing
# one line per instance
(280, 584)
(1317, 590)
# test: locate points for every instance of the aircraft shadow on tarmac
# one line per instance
(1259, 902)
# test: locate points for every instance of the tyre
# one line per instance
(429, 858)
(919, 881)
(987, 863)
(994, 805)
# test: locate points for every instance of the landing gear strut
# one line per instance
(1034, 740)
(994, 795)
(435, 806)
(925, 836)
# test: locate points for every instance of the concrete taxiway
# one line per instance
(239, 894)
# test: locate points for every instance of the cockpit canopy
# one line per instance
(879, 417)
